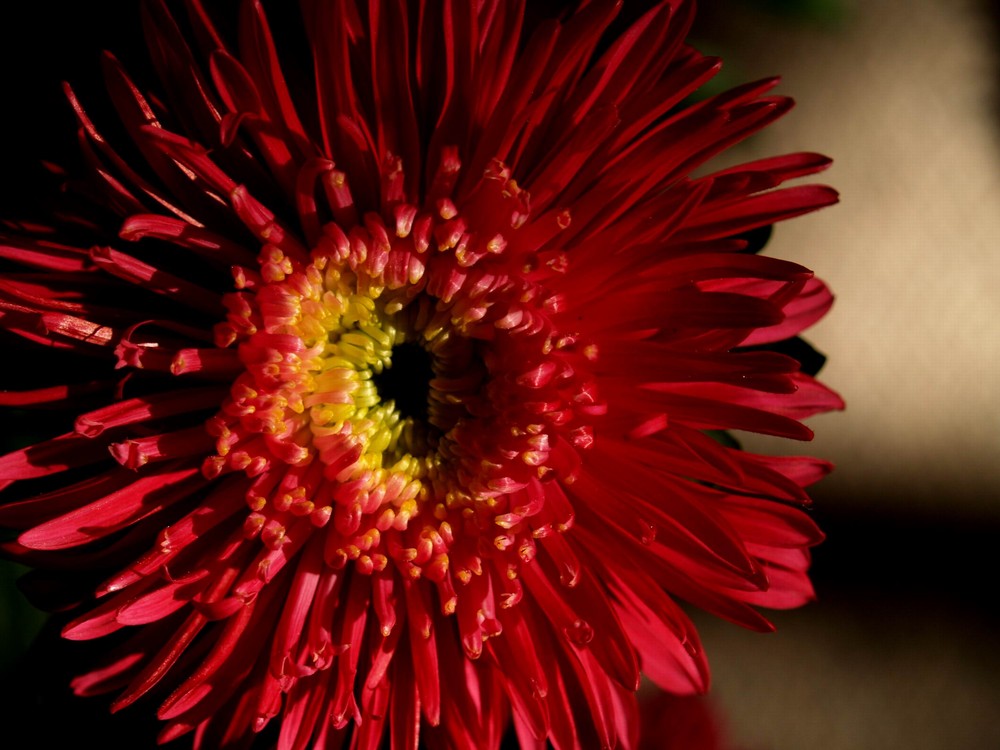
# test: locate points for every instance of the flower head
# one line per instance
(406, 377)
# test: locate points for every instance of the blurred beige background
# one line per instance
(903, 95)
(902, 648)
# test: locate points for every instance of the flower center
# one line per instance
(405, 393)
(407, 381)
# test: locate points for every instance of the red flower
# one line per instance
(433, 456)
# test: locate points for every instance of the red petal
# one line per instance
(58, 454)
(121, 508)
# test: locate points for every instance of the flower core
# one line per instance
(316, 331)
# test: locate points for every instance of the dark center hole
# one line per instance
(408, 381)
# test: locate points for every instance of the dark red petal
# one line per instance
(55, 455)
(115, 511)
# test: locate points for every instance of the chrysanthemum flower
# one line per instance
(400, 380)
